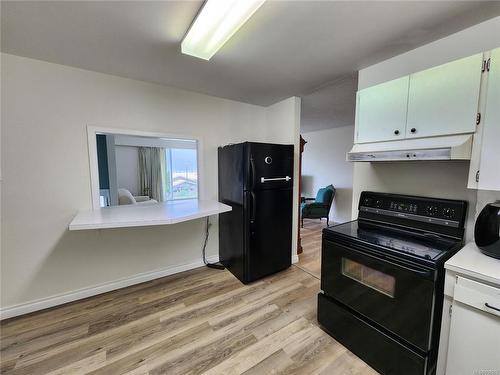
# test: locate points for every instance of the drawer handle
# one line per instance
(491, 307)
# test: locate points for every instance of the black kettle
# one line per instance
(487, 230)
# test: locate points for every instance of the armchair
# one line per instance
(320, 207)
(125, 197)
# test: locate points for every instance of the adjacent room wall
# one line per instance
(283, 122)
(46, 181)
(127, 168)
(435, 179)
(324, 162)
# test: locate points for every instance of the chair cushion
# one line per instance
(314, 210)
(125, 197)
(324, 195)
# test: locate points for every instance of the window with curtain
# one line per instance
(145, 170)
(181, 171)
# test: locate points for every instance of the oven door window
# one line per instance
(379, 281)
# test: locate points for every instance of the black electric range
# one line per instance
(382, 279)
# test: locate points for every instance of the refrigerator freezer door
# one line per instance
(232, 166)
(270, 244)
(270, 166)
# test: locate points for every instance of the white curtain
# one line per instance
(152, 172)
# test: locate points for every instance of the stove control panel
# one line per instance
(427, 210)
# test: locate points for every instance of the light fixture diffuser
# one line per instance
(215, 24)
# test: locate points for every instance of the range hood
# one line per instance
(455, 147)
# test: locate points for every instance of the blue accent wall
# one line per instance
(102, 161)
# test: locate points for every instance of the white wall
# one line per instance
(436, 179)
(283, 122)
(45, 110)
(324, 162)
(127, 168)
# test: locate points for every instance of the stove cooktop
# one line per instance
(422, 245)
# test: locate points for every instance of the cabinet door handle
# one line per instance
(491, 307)
(413, 130)
(396, 132)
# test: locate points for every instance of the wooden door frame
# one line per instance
(301, 150)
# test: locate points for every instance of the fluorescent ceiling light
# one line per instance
(215, 24)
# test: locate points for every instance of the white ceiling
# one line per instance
(287, 48)
(331, 105)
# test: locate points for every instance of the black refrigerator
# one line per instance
(256, 180)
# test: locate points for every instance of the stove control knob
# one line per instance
(378, 203)
(432, 210)
(448, 212)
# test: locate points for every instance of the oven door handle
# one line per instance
(427, 274)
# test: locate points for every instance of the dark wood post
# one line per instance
(302, 144)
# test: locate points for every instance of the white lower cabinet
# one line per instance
(470, 332)
(474, 340)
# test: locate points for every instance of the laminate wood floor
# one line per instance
(202, 321)
(310, 259)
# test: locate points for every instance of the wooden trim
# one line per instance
(301, 150)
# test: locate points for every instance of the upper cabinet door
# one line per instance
(381, 111)
(444, 100)
(488, 175)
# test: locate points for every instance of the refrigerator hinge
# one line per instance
(483, 66)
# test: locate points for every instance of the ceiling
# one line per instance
(286, 48)
(331, 105)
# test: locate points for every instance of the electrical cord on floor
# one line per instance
(217, 265)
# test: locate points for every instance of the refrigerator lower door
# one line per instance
(233, 239)
(270, 241)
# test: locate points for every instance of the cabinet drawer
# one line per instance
(480, 296)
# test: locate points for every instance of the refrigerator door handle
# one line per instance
(286, 178)
(252, 170)
(254, 207)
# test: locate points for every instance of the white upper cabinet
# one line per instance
(381, 111)
(484, 170)
(444, 100)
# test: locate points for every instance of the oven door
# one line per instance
(396, 296)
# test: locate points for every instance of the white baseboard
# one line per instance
(59, 299)
(295, 258)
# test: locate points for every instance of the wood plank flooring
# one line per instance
(202, 321)
(310, 259)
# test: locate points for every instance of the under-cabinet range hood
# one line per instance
(455, 147)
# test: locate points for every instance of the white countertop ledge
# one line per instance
(470, 261)
(138, 215)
